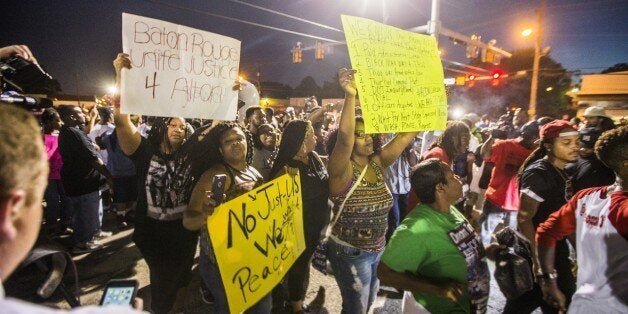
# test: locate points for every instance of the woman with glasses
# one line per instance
(164, 183)
(544, 188)
(359, 236)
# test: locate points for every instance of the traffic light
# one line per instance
(472, 50)
(319, 53)
(297, 53)
(496, 74)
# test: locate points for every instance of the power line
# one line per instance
(243, 21)
(288, 15)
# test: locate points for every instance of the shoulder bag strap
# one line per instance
(342, 205)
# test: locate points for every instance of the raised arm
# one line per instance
(128, 136)
(339, 166)
(391, 151)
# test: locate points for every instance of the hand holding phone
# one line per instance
(218, 188)
(119, 292)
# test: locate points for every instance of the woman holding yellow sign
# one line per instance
(227, 152)
(359, 236)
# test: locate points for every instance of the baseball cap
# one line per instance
(557, 128)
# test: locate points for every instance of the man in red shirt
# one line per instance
(502, 194)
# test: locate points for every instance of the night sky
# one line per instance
(76, 41)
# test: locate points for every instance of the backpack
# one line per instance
(513, 265)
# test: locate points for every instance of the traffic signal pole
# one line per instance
(534, 84)
(435, 28)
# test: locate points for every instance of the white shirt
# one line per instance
(98, 130)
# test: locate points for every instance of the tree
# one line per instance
(275, 90)
(332, 89)
(514, 90)
(616, 68)
(307, 87)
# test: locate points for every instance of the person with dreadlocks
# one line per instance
(296, 151)
(545, 187)
(599, 218)
(163, 179)
(356, 180)
(227, 149)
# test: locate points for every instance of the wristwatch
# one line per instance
(548, 276)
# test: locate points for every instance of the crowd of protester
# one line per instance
(419, 211)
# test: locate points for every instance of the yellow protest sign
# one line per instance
(256, 238)
(399, 78)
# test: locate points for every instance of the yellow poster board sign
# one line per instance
(256, 238)
(399, 77)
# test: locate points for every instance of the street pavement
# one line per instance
(120, 259)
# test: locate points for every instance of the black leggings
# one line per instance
(169, 251)
(298, 277)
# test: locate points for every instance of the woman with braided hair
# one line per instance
(163, 194)
(225, 150)
(296, 151)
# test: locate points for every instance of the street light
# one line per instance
(112, 89)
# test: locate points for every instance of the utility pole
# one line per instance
(435, 28)
(534, 85)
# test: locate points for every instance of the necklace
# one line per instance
(566, 180)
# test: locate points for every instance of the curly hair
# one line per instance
(205, 153)
(332, 137)
(612, 147)
(449, 141)
(48, 115)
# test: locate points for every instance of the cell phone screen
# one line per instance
(118, 296)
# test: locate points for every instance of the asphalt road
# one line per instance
(120, 259)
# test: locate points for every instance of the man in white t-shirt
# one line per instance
(599, 218)
(104, 126)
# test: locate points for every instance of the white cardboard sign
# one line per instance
(178, 71)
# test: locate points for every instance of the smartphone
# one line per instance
(119, 292)
(218, 187)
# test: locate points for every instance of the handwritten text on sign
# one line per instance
(256, 238)
(400, 77)
(178, 70)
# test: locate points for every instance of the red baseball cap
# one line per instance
(557, 128)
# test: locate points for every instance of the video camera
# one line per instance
(18, 76)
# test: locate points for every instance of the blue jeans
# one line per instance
(211, 276)
(57, 205)
(87, 209)
(355, 271)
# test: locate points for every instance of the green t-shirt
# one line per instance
(441, 247)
